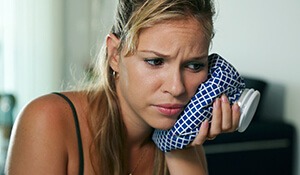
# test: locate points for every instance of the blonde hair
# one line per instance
(105, 119)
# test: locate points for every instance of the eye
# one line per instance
(195, 66)
(154, 61)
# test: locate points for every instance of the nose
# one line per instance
(174, 84)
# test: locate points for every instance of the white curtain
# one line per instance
(7, 26)
(46, 45)
(32, 47)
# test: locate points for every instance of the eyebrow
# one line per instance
(200, 57)
(155, 53)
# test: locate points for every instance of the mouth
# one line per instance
(170, 110)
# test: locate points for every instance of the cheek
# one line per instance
(195, 81)
(136, 81)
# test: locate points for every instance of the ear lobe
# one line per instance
(112, 43)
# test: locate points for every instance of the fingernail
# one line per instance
(236, 107)
(205, 123)
(224, 98)
(216, 103)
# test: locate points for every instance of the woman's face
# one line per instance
(156, 83)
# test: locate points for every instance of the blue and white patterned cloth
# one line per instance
(222, 79)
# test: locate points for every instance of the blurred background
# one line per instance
(47, 45)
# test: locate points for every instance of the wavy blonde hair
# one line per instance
(105, 119)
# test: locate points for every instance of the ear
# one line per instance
(112, 43)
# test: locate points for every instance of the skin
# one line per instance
(153, 86)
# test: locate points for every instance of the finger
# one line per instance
(236, 114)
(226, 114)
(216, 121)
(203, 132)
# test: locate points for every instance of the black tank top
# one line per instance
(79, 141)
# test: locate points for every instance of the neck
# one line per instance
(141, 158)
(139, 144)
(138, 133)
(136, 144)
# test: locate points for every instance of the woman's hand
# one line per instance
(191, 160)
(225, 119)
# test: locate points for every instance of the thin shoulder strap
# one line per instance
(80, 149)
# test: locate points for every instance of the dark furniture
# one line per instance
(266, 147)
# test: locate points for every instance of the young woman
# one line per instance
(151, 65)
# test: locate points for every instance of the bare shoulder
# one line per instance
(41, 134)
(50, 110)
(44, 112)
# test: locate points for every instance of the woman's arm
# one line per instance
(189, 161)
(192, 161)
(37, 143)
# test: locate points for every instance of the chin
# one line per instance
(164, 125)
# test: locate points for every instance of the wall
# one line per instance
(86, 24)
(262, 39)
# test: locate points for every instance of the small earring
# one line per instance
(115, 74)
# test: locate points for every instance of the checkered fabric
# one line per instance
(222, 79)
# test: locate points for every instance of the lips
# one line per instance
(170, 109)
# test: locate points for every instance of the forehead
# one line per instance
(180, 22)
(170, 33)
